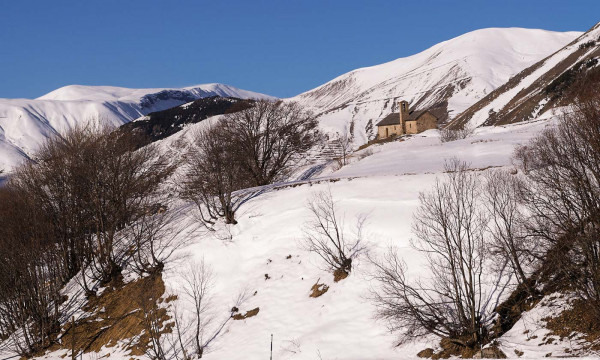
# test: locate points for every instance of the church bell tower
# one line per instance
(404, 113)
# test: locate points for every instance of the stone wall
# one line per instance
(388, 130)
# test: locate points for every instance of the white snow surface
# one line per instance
(461, 71)
(26, 123)
(340, 324)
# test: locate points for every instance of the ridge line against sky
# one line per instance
(280, 48)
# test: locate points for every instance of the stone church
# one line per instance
(406, 122)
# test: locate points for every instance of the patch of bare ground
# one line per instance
(318, 289)
(116, 316)
(339, 275)
(248, 314)
(450, 348)
(576, 322)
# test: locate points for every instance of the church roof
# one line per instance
(391, 119)
(414, 115)
(394, 118)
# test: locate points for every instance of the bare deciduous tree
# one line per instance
(156, 236)
(452, 134)
(270, 138)
(509, 238)
(563, 171)
(31, 274)
(214, 178)
(459, 298)
(341, 147)
(327, 235)
(206, 326)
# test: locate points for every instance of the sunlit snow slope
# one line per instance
(450, 77)
(539, 88)
(263, 254)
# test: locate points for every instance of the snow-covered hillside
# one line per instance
(538, 88)
(25, 123)
(450, 76)
(263, 254)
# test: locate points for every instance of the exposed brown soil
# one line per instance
(248, 314)
(117, 316)
(453, 349)
(339, 275)
(426, 353)
(577, 320)
(318, 289)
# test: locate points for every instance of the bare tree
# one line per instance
(206, 327)
(213, 175)
(509, 238)
(563, 170)
(341, 147)
(270, 138)
(30, 274)
(92, 182)
(459, 298)
(156, 236)
(452, 134)
(326, 234)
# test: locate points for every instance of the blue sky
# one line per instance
(279, 47)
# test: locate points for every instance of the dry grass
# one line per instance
(578, 320)
(339, 275)
(116, 317)
(248, 314)
(318, 289)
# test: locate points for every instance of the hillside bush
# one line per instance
(448, 134)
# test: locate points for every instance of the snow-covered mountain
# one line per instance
(449, 76)
(537, 89)
(25, 123)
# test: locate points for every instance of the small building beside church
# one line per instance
(405, 122)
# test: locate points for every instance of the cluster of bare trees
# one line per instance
(455, 233)
(64, 216)
(452, 134)
(481, 234)
(248, 148)
(95, 199)
(31, 271)
(562, 166)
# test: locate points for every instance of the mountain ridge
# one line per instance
(536, 89)
(25, 123)
(449, 76)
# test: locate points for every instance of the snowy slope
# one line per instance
(25, 123)
(530, 93)
(450, 76)
(340, 323)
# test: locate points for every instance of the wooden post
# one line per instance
(271, 358)
(73, 355)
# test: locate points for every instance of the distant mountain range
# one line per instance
(447, 78)
(25, 123)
